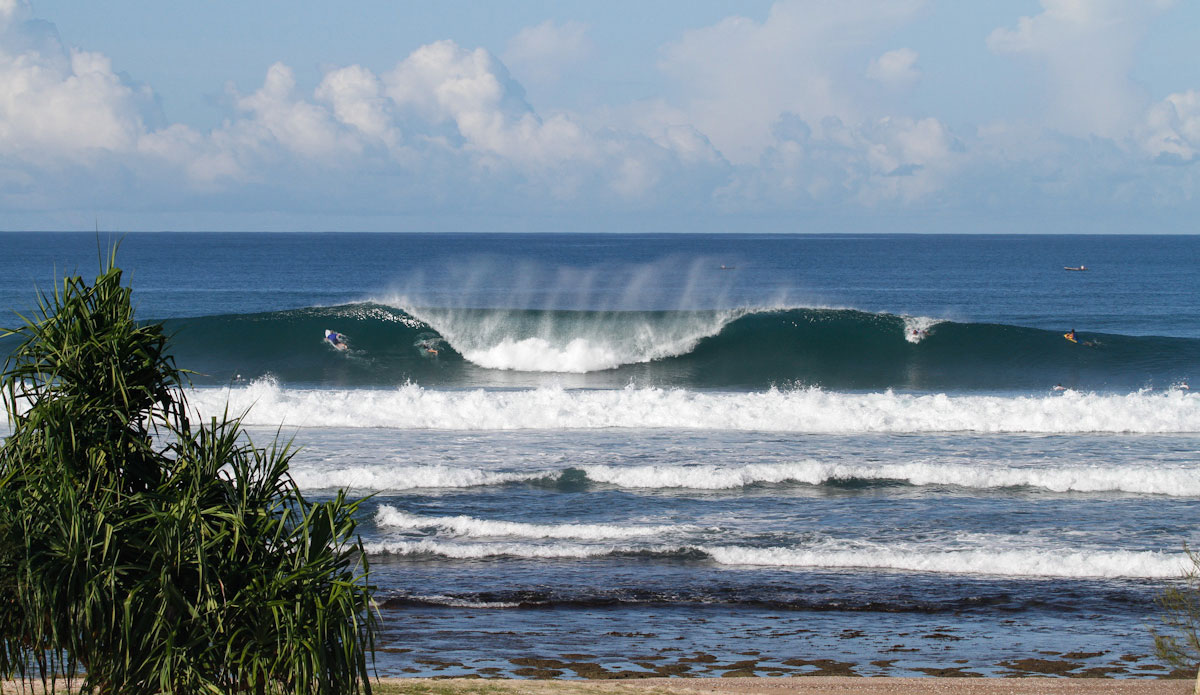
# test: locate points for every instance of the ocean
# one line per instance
(700, 455)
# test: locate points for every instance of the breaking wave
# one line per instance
(811, 410)
(733, 348)
(1177, 481)
(465, 526)
(1033, 562)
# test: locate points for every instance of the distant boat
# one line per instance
(1074, 267)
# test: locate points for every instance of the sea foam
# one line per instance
(1174, 481)
(567, 342)
(1032, 562)
(793, 410)
(466, 526)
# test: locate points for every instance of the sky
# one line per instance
(1000, 116)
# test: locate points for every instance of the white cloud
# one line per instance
(13, 11)
(1171, 129)
(356, 95)
(888, 161)
(895, 68)
(739, 75)
(470, 89)
(1084, 50)
(60, 103)
(543, 52)
(768, 116)
(298, 125)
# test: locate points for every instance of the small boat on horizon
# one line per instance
(1074, 267)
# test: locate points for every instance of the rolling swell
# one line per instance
(830, 348)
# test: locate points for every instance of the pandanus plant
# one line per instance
(142, 552)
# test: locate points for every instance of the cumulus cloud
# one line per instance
(13, 10)
(61, 103)
(358, 101)
(763, 116)
(885, 161)
(1171, 130)
(738, 76)
(895, 68)
(544, 52)
(1084, 50)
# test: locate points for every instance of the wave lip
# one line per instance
(810, 410)
(471, 527)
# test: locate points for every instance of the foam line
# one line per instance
(801, 410)
(1032, 563)
(1175, 481)
(321, 477)
(466, 526)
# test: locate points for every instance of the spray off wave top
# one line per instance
(731, 348)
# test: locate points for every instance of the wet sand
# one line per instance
(808, 685)
(805, 685)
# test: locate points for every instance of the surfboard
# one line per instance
(1068, 337)
(334, 339)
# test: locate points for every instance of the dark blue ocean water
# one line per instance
(688, 454)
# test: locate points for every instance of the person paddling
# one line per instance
(337, 340)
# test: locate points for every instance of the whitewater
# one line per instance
(703, 450)
(812, 410)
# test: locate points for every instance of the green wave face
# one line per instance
(752, 349)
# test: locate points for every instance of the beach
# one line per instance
(815, 685)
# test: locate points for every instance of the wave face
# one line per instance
(833, 348)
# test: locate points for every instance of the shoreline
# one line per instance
(799, 685)
(802, 685)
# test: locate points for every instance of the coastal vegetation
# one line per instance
(1178, 643)
(142, 552)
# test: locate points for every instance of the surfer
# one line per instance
(1060, 387)
(1071, 336)
(337, 340)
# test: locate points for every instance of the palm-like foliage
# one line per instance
(1178, 643)
(158, 555)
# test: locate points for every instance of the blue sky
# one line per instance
(705, 115)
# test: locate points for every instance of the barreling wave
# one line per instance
(805, 410)
(1178, 481)
(1025, 562)
(736, 348)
